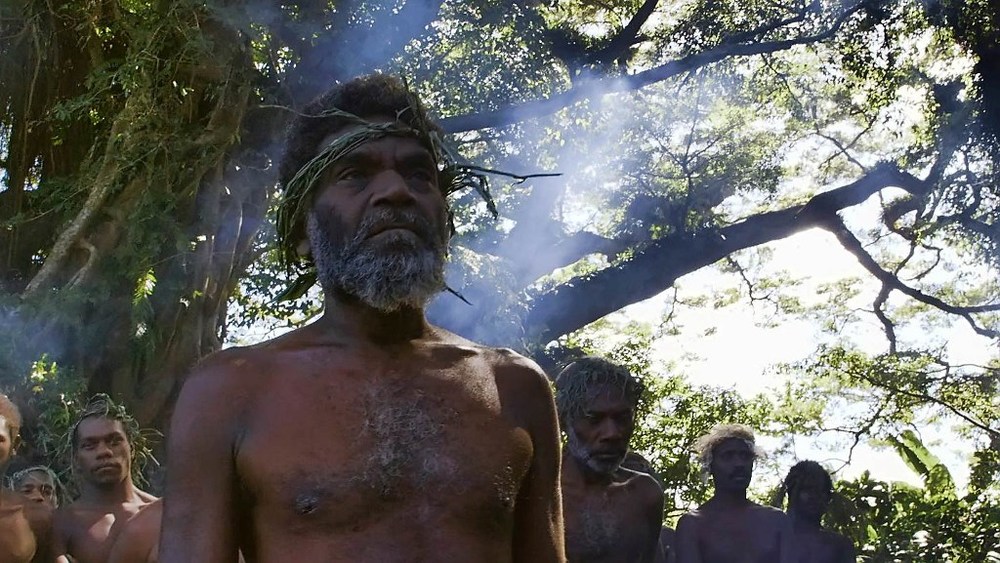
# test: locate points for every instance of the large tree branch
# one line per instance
(593, 88)
(627, 36)
(585, 299)
(851, 243)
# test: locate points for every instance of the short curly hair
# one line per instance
(12, 414)
(705, 446)
(575, 384)
(804, 471)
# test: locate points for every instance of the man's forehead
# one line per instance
(404, 142)
(606, 397)
(37, 478)
(732, 444)
(100, 426)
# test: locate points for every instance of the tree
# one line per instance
(138, 142)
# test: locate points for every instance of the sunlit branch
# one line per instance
(656, 267)
(597, 87)
(851, 243)
(924, 397)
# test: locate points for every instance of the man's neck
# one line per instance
(116, 494)
(730, 498)
(348, 319)
(802, 522)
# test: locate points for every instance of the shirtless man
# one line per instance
(37, 484)
(24, 525)
(101, 446)
(369, 435)
(730, 528)
(613, 514)
(810, 489)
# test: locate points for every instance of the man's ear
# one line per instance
(14, 444)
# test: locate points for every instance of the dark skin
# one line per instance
(613, 514)
(730, 528)
(39, 487)
(139, 539)
(367, 435)
(667, 540)
(85, 530)
(807, 503)
(24, 525)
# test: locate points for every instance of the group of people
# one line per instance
(371, 435)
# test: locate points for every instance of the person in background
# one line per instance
(613, 514)
(810, 489)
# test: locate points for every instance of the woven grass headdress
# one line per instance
(453, 175)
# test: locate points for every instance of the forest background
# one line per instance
(138, 142)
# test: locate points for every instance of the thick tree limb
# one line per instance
(655, 268)
(99, 192)
(593, 88)
(627, 36)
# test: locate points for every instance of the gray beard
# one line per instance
(396, 270)
(580, 453)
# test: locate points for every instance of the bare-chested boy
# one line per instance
(101, 446)
(730, 528)
(810, 489)
(24, 525)
(369, 435)
(613, 514)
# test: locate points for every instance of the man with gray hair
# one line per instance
(730, 528)
(613, 514)
(369, 435)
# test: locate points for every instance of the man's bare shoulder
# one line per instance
(643, 483)
(769, 513)
(690, 522)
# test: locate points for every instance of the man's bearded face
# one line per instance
(394, 259)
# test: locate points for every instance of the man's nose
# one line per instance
(103, 450)
(390, 188)
(611, 431)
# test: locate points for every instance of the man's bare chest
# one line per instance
(344, 455)
(93, 533)
(605, 527)
(739, 539)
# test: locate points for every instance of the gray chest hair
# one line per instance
(404, 431)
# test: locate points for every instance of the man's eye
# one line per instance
(349, 174)
(422, 174)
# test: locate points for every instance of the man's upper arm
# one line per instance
(58, 546)
(654, 515)
(786, 536)
(199, 512)
(538, 522)
(687, 548)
